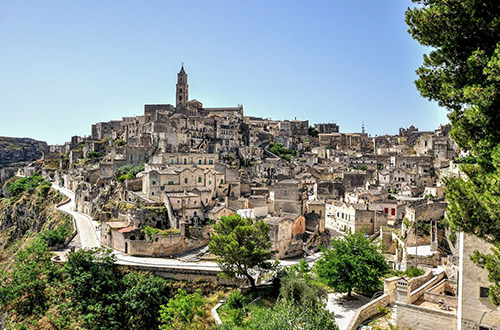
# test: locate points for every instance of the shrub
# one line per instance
(236, 300)
(29, 184)
(56, 236)
(414, 272)
(93, 154)
(128, 171)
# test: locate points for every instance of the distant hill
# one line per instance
(18, 150)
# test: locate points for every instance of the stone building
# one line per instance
(475, 310)
(288, 197)
(285, 231)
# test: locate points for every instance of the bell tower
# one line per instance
(181, 95)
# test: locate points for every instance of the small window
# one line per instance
(199, 161)
(221, 180)
(210, 162)
(209, 181)
(185, 180)
(483, 292)
(154, 182)
(386, 210)
(170, 182)
(393, 211)
(185, 161)
(200, 179)
(171, 161)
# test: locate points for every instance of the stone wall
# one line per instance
(417, 282)
(416, 293)
(416, 317)
(164, 245)
(368, 310)
(434, 298)
(390, 285)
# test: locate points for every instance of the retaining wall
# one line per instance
(368, 310)
(416, 317)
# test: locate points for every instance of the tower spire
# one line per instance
(181, 95)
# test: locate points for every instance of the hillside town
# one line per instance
(157, 183)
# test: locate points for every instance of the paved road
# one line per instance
(86, 229)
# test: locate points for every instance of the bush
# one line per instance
(128, 171)
(236, 300)
(295, 288)
(29, 184)
(93, 154)
(279, 150)
(58, 235)
(414, 272)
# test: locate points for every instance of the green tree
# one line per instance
(95, 288)
(462, 73)
(353, 263)
(241, 246)
(312, 131)
(288, 315)
(183, 311)
(26, 288)
(298, 287)
(143, 296)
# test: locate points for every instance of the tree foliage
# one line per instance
(352, 263)
(279, 150)
(95, 288)
(462, 73)
(143, 296)
(241, 247)
(289, 315)
(28, 185)
(297, 286)
(184, 311)
(128, 171)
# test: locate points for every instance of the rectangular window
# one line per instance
(483, 292)
(386, 210)
(393, 211)
(154, 182)
(185, 180)
(171, 161)
(199, 179)
(221, 180)
(199, 161)
(170, 182)
(210, 162)
(185, 161)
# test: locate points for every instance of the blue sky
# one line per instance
(66, 64)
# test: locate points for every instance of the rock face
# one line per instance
(17, 150)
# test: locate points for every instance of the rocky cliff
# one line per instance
(18, 150)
